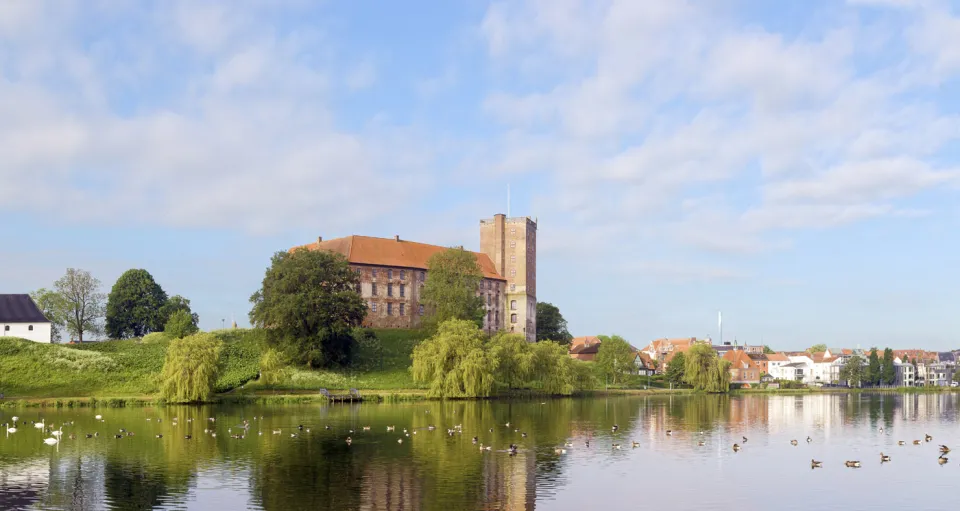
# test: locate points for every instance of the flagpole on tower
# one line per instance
(720, 325)
(508, 200)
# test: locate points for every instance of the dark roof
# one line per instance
(585, 349)
(20, 309)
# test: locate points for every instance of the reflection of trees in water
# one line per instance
(129, 484)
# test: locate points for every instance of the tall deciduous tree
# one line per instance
(514, 357)
(817, 348)
(550, 324)
(705, 371)
(82, 300)
(615, 357)
(676, 368)
(767, 350)
(180, 325)
(54, 308)
(852, 371)
(889, 369)
(133, 307)
(874, 373)
(308, 303)
(190, 368)
(454, 361)
(178, 303)
(450, 290)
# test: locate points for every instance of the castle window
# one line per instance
(513, 318)
(421, 310)
(373, 289)
(389, 274)
(403, 274)
(389, 289)
(489, 299)
(401, 309)
(389, 309)
(513, 272)
(513, 306)
(513, 244)
(357, 271)
(513, 259)
(6, 328)
(359, 289)
(402, 289)
(423, 276)
(513, 287)
(374, 272)
(513, 230)
(373, 306)
(30, 328)
(489, 284)
(489, 317)
(496, 318)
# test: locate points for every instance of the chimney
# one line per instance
(319, 239)
(396, 237)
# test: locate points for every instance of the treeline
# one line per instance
(700, 368)
(135, 307)
(873, 371)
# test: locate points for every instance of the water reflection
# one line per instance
(437, 465)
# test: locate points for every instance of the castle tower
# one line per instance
(512, 245)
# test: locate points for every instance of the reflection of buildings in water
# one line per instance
(23, 482)
(510, 482)
(390, 487)
(749, 411)
(77, 483)
(811, 410)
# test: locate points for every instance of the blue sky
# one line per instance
(793, 164)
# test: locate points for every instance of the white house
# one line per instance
(20, 317)
(803, 368)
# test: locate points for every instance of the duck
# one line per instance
(635, 444)
(560, 451)
(512, 450)
(744, 439)
(816, 464)
(523, 435)
(326, 427)
(669, 432)
(852, 464)
(292, 435)
(187, 437)
(71, 436)
(507, 424)
(484, 448)
(901, 442)
(88, 435)
(118, 436)
(701, 443)
(366, 428)
(942, 460)
(944, 449)
(736, 447)
(159, 436)
(616, 446)
(399, 440)
(809, 440)
(793, 442)
(614, 428)
(349, 440)
(277, 431)
(568, 444)
(391, 428)
(884, 458)
(928, 438)
(916, 442)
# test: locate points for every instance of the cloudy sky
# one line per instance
(794, 164)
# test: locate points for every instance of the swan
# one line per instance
(14, 419)
(51, 441)
(98, 417)
(58, 432)
(40, 425)
(12, 429)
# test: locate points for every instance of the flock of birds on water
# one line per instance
(243, 428)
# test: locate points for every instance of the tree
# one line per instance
(190, 368)
(82, 301)
(550, 324)
(555, 373)
(308, 304)
(767, 350)
(54, 308)
(180, 325)
(817, 348)
(178, 303)
(852, 371)
(514, 357)
(133, 307)
(676, 368)
(454, 363)
(889, 369)
(450, 290)
(873, 373)
(705, 371)
(615, 357)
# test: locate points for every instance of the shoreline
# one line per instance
(299, 396)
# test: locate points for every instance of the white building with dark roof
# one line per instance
(20, 317)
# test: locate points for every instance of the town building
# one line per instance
(743, 370)
(663, 350)
(392, 273)
(584, 348)
(645, 365)
(906, 374)
(20, 317)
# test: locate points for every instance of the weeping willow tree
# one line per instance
(514, 359)
(190, 368)
(705, 371)
(454, 362)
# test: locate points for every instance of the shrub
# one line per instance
(190, 368)
(155, 337)
(454, 362)
(75, 360)
(271, 367)
(180, 325)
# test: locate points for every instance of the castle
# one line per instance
(392, 273)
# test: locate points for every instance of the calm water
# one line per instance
(434, 470)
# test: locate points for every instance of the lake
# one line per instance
(315, 468)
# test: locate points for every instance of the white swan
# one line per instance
(98, 417)
(40, 425)
(51, 441)
(58, 432)
(12, 430)
(14, 419)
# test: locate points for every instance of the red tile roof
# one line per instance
(393, 252)
(740, 360)
(777, 357)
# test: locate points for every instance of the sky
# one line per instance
(792, 164)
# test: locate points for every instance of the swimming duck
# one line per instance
(117, 436)
(669, 432)
(277, 431)
(568, 444)
(793, 442)
(928, 438)
(475, 440)
(391, 428)
(916, 442)
(187, 437)
(942, 460)
(349, 440)
(98, 417)
(616, 446)
(809, 440)
(523, 435)
(635, 444)
(944, 449)
(399, 440)
(736, 447)
(852, 464)
(816, 464)
(901, 442)
(744, 439)
(614, 428)
(485, 448)
(159, 436)
(365, 428)
(701, 443)
(88, 435)
(884, 458)
(560, 451)
(293, 435)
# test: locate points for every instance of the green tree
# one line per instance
(615, 357)
(454, 361)
(180, 325)
(450, 290)
(308, 304)
(676, 368)
(82, 301)
(514, 356)
(178, 303)
(873, 374)
(54, 308)
(133, 307)
(852, 371)
(550, 324)
(190, 368)
(705, 371)
(817, 348)
(767, 350)
(554, 372)
(889, 370)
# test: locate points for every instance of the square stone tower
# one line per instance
(512, 245)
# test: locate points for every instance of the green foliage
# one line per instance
(82, 302)
(705, 371)
(615, 358)
(180, 325)
(133, 307)
(852, 371)
(154, 337)
(676, 369)
(550, 324)
(178, 303)
(54, 308)
(369, 350)
(817, 348)
(514, 358)
(272, 365)
(190, 368)
(308, 304)
(454, 362)
(240, 357)
(767, 350)
(553, 371)
(873, 373)
(450, 290)
(887, 369)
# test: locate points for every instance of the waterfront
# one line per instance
(433, 469)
